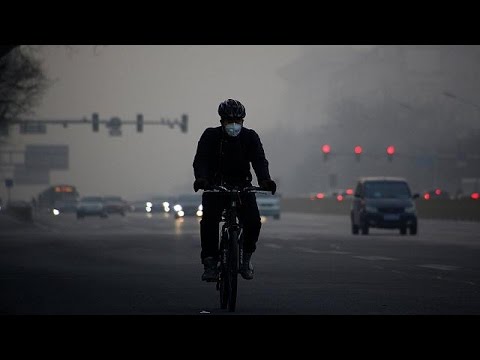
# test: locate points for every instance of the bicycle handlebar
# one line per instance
(223, 189)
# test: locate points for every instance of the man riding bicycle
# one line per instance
(223, 157)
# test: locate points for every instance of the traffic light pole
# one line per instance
(113, 123)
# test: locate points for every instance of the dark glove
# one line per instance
(201, 183)
(269, 185)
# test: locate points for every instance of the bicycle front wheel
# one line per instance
(232, 270)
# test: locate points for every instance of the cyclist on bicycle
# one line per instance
(223, 157)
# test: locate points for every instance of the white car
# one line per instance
(268, 205)
(91, 206)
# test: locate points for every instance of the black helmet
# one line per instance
(231, 109)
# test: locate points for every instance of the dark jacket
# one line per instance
(225, 159)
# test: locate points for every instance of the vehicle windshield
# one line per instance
(387, 190)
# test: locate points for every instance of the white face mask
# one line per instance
(233, 129)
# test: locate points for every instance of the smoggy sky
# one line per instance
(158, 81)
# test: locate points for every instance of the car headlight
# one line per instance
(410, 209)
(371, 209)
(177, 207)
(200, 207)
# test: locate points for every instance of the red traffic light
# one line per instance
(326, 149)
(358, 150)
(391, 150)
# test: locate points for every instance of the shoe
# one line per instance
(246, 269)
(211, 269)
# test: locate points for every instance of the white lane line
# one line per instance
(374, 258)
(307, 250)
(337, 252)
(439, 267)
(274, 246)
(313, 251)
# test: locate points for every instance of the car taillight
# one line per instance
(475, 196)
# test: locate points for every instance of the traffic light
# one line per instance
(358, 151)
(184, 123)
(95, 122)
(390, 152)
(326, 151)
(139, 123)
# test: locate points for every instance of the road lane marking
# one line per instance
(374, 258)
(313, 251)
(337, 252)
(439, 267)
(274, 246)
(307, 250)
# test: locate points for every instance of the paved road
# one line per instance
(305, 264)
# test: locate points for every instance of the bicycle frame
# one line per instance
(231, 247)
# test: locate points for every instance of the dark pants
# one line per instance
(248, 215)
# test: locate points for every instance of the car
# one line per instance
(188, 205)
(268, 205)
(64, 207)
(115, 205)
(383, 202)
(160, 204)
(91, 206)
(138, 206)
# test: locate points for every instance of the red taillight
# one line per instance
(349, 191)
(475, 196)
(320, 195)
(426, 196)
(438, 192)
(339, 197)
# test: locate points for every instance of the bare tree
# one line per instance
(22, 81)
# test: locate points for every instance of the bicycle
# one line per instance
(231, 246)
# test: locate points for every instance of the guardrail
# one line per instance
(458, 209)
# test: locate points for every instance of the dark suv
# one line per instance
(383, 202)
